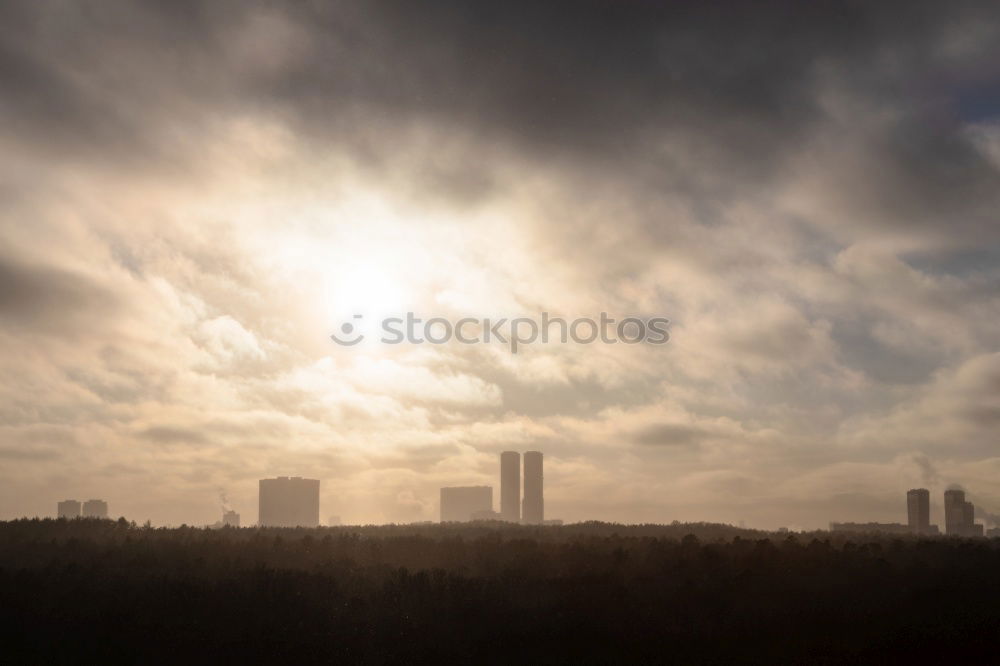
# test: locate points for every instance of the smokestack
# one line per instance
(510, 486)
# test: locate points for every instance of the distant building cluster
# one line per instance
(464, 503)
(294, 502)
(959, 517)
(70, 509)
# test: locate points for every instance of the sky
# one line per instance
(195, 196)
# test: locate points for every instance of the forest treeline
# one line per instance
(90, 591)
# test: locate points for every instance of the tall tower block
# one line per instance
(68, 509)
(510, 486)
(918, 510)
(288, 502)
(533, 509)
(954, 511)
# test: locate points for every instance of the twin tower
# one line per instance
(532, 510)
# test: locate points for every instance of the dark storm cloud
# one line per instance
(599, 76)
(737, 82)
(702, 103)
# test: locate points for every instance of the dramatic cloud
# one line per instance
(195, 195)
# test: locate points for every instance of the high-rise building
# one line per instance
(918, 510)
(288, 502)
(510, 486)
(968, 518)
(461, 503)
(68, 509)
(95, 508)
(954, 511)
(960, 515)
(533, 509)
(230, 518)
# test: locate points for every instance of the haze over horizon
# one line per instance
(194, 196)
